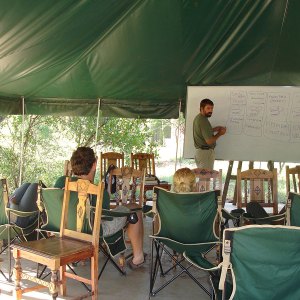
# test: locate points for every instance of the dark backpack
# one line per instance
(113, 181)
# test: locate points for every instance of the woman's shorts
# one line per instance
(117, 223)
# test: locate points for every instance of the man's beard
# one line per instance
(208, 115)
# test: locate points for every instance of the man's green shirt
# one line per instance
(202, 130)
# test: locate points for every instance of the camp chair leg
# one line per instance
(3, 275)
(9, 264)
(102, 269)
(42, 272)
(2, 272)
(183, 270)
(159, 255)
(153, 267)
(108, 258)
(7, 247)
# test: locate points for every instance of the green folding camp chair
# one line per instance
(183, 222)
(10, 232)
(51, 199)
(293, 210)
(263, 262)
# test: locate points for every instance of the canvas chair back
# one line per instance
(110, 158)
(257, 185)
(264, 261)
(142, 161)
(187, 218)
(52, 202)
(292, 179)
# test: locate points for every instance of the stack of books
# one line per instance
(151, 180)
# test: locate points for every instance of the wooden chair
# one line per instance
(292, 179)
(129, 185)
(208, 180)
(51, 203)
(71, 246)
(257, 185)
(110, 158)
(142, 161)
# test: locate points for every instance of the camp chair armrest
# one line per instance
(269, 218)
(22, 214)
(230, 216)
(106, 218)
(111, 213)
(201, 262)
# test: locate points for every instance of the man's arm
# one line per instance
(218, 128)
(213, 139)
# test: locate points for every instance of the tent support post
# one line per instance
(97, 123)
(22, 141)
(177, 134)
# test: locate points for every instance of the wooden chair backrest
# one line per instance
(207, 180)
(129, 180)
(68, 169)
(292, 179)
(84, 189)
(257, 185)
(110, 158)
(142, 161)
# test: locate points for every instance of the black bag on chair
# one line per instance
(256, 210)
(114, 179)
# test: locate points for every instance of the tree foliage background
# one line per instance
(48, 141)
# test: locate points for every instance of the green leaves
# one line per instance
(49, 141)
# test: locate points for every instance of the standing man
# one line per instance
(205, 136)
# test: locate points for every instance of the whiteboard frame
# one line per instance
(270, 127)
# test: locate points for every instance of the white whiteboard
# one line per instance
(263, 122)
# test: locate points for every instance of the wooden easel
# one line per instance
(229, 177)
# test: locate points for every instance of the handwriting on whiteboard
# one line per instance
(265, 114)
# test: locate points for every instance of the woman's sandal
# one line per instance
(134, 266)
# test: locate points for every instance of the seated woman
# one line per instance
(184, 181)
(84, 164)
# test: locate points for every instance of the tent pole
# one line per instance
(97, 123)
(177, 133)
(22, 141)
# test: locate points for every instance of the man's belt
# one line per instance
(206, 147)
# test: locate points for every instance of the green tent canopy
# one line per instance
(139, 56)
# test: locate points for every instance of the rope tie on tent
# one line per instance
(22, 141)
